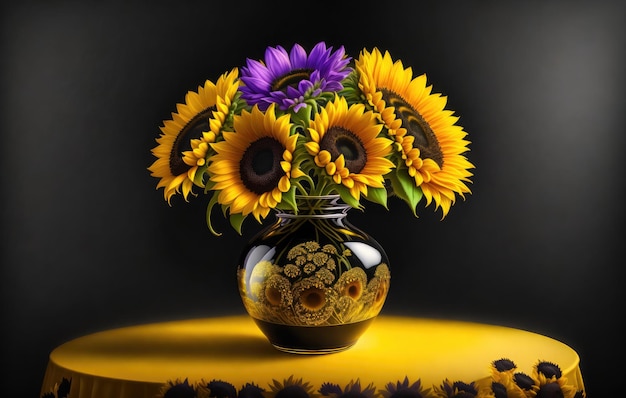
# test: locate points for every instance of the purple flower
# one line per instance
(288, 79)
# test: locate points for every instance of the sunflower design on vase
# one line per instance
(306, 136)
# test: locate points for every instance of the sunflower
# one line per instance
(251, 390)
(506, 387)
(252, 167)
(277, 291)
(289, 79)
(290, 387)
(352, 283)
(502, 365)
(406, 389)
(352, 389)
(345, 143)
(219, 388)
(226, 87)
(502, 379)
(551, 380)
(449, 389)
(313, 301)
(59, 390)
(376, 290)
(183, 145)
(430, 144)
(526, 383)
(182, 388)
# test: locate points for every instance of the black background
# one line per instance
(88, 243)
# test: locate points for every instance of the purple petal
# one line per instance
(294, 93)
(299, 106)
(304, 86)
(277, 61)
(257, 69)
(318, 53)
(256, 84)
(298, 57)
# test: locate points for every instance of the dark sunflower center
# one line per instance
(292, 391)
(499, 390)
(354, 290)
(181, 390)
(550, 390)
(291, 79)
(549, 369)
(260, 165)
(523, 381)
(415, 125)
(192, 130)
(504, 364)
(339, 141)
(222, 389)
(470, 390)
(381, 293)
(273, 295)
(313, 299)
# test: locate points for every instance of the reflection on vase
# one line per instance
(312, 282)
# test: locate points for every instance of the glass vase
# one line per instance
(312, 282)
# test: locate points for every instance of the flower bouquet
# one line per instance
(313, 124)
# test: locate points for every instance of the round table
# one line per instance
(145, 360)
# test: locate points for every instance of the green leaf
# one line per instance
(404, 187)
(208, 186)
(199, 176)
(377, 195)
(303, 116)
(236, 220)
(209, 210)
(347, 197)
(289, 200)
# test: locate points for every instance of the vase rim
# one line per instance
(323, 206)
(328, 196)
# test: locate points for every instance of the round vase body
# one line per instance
(311, 281)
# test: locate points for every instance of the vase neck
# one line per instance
(327, 206)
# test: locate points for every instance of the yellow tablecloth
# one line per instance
(139, 361)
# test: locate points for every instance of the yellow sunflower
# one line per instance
(198, 158)
(551, 379)
(252, 167)
(184, 141)
(430, 145)
(504, 382)
(345, 143)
